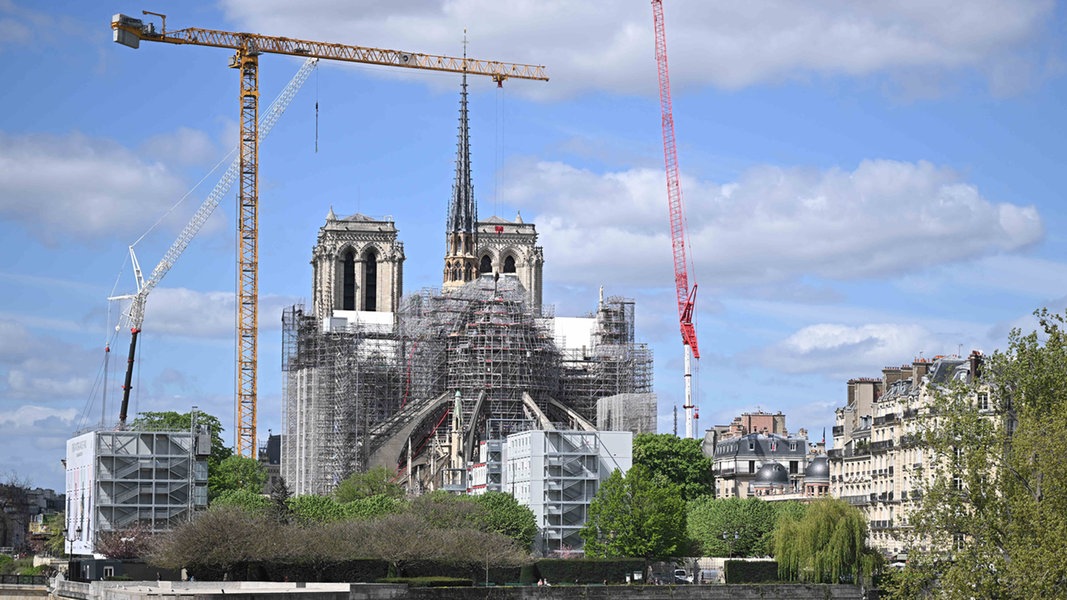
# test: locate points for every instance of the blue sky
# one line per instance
(865, 183)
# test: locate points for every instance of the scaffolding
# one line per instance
(615, 366)
(350, 388)
(340, 382)
(133, 479)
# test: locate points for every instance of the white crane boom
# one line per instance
(135, 315)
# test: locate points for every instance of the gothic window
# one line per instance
(370, 280)
(486, 265)
(348, 277)
(509, 264)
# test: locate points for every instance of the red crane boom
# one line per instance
(686, 296)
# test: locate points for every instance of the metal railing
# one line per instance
(24, 579)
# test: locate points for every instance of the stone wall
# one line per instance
(234, 590)
(11, 591)
(644, 592)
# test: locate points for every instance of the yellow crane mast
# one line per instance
(130, 31)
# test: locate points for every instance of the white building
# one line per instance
(557, 474)
(877, 460)
(118, 480)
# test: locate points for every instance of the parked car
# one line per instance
(682, 576)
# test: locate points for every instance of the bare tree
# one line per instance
(14, 510)
(134, 542)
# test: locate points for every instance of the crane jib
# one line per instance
(130, 31)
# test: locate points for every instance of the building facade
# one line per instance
(120, 480)
(755, 455)
(557, 473)
(877, 462)
(357, 265)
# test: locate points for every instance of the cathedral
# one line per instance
(416, 382)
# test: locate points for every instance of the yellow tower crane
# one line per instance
(130, 31)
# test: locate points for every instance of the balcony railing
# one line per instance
(885, 419)
(882, 446)
(836, 453)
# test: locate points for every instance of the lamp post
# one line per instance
(730, 542)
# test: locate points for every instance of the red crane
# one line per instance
(686, 295)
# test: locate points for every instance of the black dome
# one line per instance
(772, 473)
(818, 470)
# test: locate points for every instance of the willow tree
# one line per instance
(993, 514)
(828, 544)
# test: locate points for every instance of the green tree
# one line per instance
(679, 460)
(310, 508)
(279, 501)
(56, 544)
(735, 526)
(827, 545)
(504, 515)
(175, 421)
(236, 473)
(993, 510)
(639, 514)
(244, 499)
(374, 482)
(373, 506)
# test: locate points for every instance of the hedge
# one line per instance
(437, 581)
(560, 570)
(367, 570)
(745, 571)
(473, 571)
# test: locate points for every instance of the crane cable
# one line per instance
(316, 111)
(224, 159)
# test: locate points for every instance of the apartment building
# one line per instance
(755, 455)
(876, 460)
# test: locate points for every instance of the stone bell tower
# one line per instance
(358, 265)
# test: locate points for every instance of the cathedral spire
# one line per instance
(461, 229)
(462, 211)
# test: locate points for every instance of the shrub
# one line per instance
(436, 581)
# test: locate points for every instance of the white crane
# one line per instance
(134, 317)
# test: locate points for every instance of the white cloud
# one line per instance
(841, 349)
(29, 416)
(62, 186)
(184, 146)
(609, 45)
(41, 367)
(772, 226)
(194, 314)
